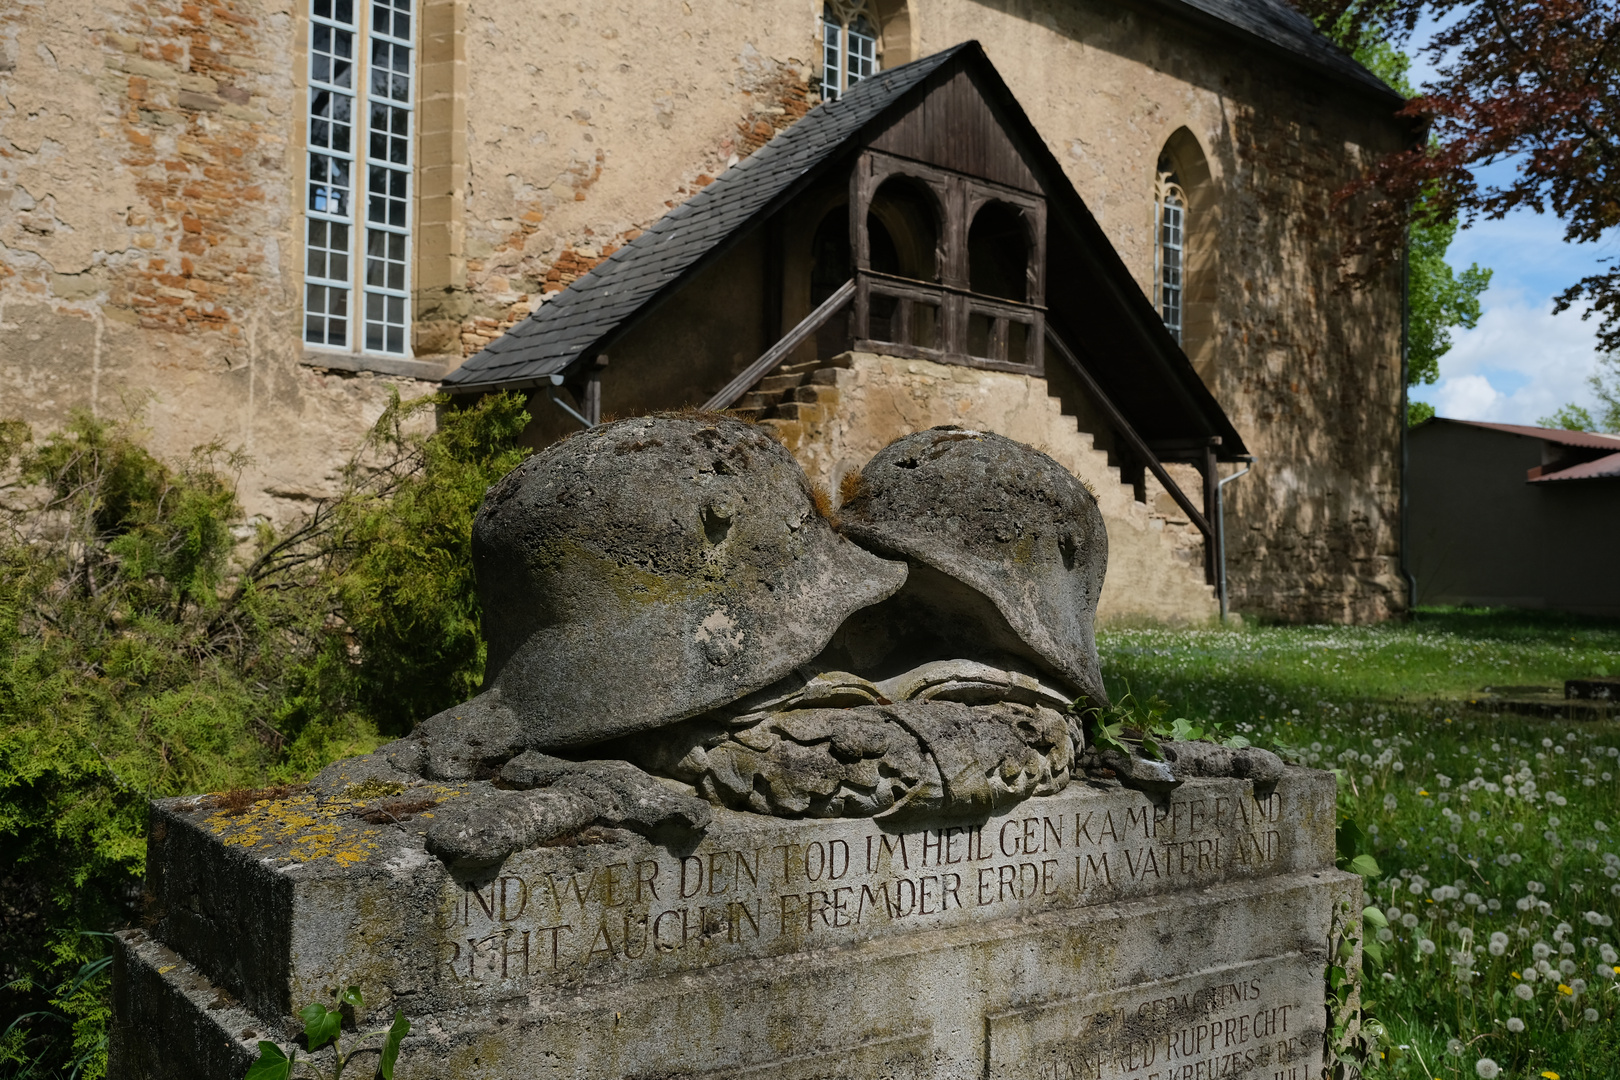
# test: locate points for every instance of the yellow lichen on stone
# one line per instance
(304, 823)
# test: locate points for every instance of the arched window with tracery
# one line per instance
(1170, 252)
(849, 46)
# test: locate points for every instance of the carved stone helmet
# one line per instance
(648, 570)
(1007, 548)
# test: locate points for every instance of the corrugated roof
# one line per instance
(579, 318)
(1279, 25)
(1589, 439)
(1601, 468)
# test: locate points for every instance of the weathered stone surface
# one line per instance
(643, 572)
(1008, 522)
(824, 948)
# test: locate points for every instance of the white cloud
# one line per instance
(1467, 397)
(1519, 364)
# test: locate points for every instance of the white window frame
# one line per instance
(1170, 253)
(376, 207)
(851, 46)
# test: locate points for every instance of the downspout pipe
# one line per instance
(1406, 343)
(1220, 528)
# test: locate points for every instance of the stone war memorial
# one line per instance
(756, 788)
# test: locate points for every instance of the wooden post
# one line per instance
(593, 390)
(1214, 557)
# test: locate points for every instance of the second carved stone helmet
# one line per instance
(652, 569)
(976, 509)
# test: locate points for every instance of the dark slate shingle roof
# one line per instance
(578, 318)
(1278, 24)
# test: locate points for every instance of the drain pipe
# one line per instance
(1220, 526)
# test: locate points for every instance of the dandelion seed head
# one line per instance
(1515, 1025)
(1486, 1069)
(1524, 991)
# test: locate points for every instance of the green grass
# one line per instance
(1495, 835)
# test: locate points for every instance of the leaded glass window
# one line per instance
(849, 46)
(361, 64)
(1170, 251)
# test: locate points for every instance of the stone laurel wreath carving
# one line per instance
(671, 624)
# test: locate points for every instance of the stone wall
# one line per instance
(151, 156)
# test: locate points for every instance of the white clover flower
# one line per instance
(1515, 1025)
(1486, 1069)
(1524, 991)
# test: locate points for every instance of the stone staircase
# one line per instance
(793, 388)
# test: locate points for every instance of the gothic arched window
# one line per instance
(849, 46)
(1170, 252)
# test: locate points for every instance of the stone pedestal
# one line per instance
(1091, 934)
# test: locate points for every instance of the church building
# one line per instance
(1105, 228)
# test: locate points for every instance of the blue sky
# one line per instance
(1521, 362)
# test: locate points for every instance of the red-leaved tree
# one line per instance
(1533, 82)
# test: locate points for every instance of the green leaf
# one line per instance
(390, 1048)
(1238, 742)
(1374, 918)
(271, 1064)
(351, 997)
(1365, 865)
(321, 1024)
(1183, 730)
(1374, 951)
(1151, 745)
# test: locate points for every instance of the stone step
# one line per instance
(775, 384)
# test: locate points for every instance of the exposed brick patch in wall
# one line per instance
(779, 100)
(198, 143)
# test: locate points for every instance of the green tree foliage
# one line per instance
(1605, 384)
(153, 642)
(1438, 298)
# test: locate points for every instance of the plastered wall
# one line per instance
(150, 244)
